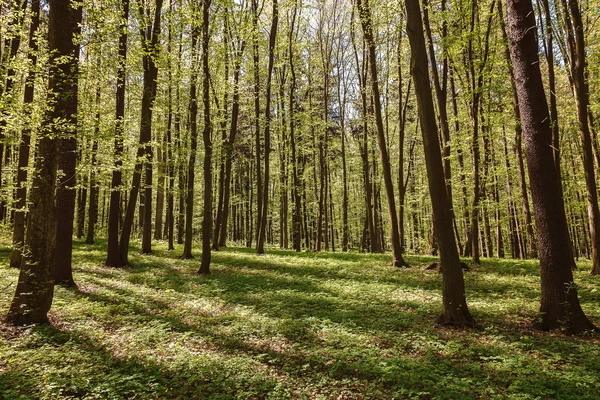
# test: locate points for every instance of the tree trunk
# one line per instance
(560, 306)
(206, 135)
(160, 190)
(223, 156)
(233, 128)
(170, 156)
(578, 65)
(150, 39)
(6, 89)
(149, 95)
(189, 205)
(18, 238)
(366, 21)
(94, 189)
(256, 89)
(35, 288)
(265, 194)
(67, 160)
(454, 311)
(297, 210)
(113, 257)
(531, 248)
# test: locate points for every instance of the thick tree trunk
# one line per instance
(18, 238)
(455, 311)
(560, 306)
(531, 247)
(35, 288)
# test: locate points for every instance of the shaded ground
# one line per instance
(289, 325)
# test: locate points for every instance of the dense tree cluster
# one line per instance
(309, 113)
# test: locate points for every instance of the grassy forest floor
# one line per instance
(287, 325)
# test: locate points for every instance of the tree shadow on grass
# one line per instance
(100, 373)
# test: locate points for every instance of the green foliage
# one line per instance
(291, 325)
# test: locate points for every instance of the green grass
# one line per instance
(287, 325)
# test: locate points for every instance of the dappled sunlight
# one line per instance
(293, 325)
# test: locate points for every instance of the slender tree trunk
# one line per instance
(461, 164)
(229, 144)
(94, 189)
(160, 190)
(297, 210)
(35, 288)
(189, 206)
(265, 200)
(560, 306)
(113, 257)
(206, 135)
(150, 38)
(223, 156)
(81, 202)
(181, 184)
(18, 238)
(440, 86)
(366, 20)
(454, 311)
(578, 65)
(150, 84)
(12, 44)
(170, 161)
(255, 63)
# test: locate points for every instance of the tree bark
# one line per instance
(35, 288)
(67, 160)
(578, 65)
(150, 39)
(265, 194)
(94, 189)
(18, 238)
(191, 173)
(560, 306)
(150, 60)
(206, 135)
(367, 25)
(531, 247)
(113, 256)
(454, 311)
(297, 210)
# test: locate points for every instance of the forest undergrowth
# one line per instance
(291, 325)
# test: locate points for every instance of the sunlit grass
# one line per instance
(288, 325)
